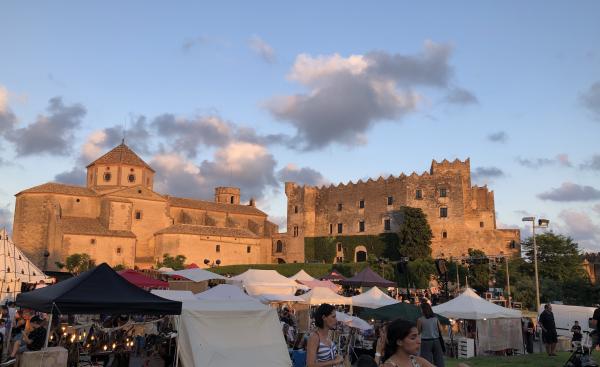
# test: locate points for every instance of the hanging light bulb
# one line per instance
(105, 347)
(92, 337)
(114, 345)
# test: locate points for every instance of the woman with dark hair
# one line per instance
(429, 328)
(402, 345)
(321, 351)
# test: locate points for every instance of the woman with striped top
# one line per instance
(321, 351)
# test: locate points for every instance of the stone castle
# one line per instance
(461, 216)
(118, 218)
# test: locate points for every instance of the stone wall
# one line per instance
(111, 250)
(30, 228)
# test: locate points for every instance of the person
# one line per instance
(429, 328)
(41, 284)
(576, 330)
(595, 326)
(321, 351)
(366, 360)
(29, 342)
(549, 336)
(528, 333)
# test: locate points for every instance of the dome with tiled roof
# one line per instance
(120, 167)
(121, 154)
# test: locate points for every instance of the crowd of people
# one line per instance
(20, 330)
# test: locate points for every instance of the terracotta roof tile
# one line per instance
(121, 154)
(218, 207)
(207, 231)
(89, 226)
(56, 188)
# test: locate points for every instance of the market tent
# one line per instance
(367, 278)
(227, 333)
(276, 298)
(468, 305)
(325, 295)
(143, 281)
(97, 291)
(334, 276)
(165, 269)
(402, 310)
(192, 266)
(15, 268)
(196, 274)
(319, 283)
(352, 321)
(224, 292)
(257, 282)
(373, 298)
(174, 295)
(302, 275)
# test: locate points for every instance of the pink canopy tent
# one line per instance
(143, 281)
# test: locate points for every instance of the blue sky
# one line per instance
(254, 93)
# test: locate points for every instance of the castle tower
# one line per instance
(120, 167)
(227, 195)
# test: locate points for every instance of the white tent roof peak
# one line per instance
(468, 305)
(373, 298)
(302, 275)
(320, 295)
(196, 274)
(224, 292)
(257, 282)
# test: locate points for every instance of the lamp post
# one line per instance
(542, 223)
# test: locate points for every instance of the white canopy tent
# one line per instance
(231, 333)
(15, 268)
(224, 292)
(302, 275)
(373, 298)
(352, 321)
(174, 295)
(257, 282)
(325, 295)
(165, 269)
(276, 298)
(196, 274)
(498, 328)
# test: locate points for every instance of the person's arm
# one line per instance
(380, 346)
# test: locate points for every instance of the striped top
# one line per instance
(326, 352)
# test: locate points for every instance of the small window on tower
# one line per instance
(419, 194)
(92, 241)
(217, 248)
(340, 228)
(339, 247)
(296, 209)
(248, 249)
(387, 224)
(107, 176)
(443, 192)
(295, 231)
(118, 251)
(481, 224)
(361, 204)
(131, 178)
(231, 199)
(340, 206)
(444, 234)
(138, 214)
(77, 200)
(443, 212)
(361, 226)
(330, 228)
(390, 200)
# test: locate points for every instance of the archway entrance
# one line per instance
(360, 254)
(280, 261)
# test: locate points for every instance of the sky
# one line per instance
(253, 94)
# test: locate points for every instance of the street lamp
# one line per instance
(542, 223)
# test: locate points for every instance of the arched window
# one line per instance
(231, 200)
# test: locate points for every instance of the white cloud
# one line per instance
(262, 49)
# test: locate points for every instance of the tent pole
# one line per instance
(177, 340)
(48, 330)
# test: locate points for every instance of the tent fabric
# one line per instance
(195, 274)
(143, 281)
(495, 335)
(302, 275)
(231, 334)
(334, 276)
(192, 266)
(224, 292)
(174, 295)
(325, 295)
(319, 283)
(352, 321)
(97, 291)
(165, 269)
(367, 278)
(468, 305)
(403, 310)
(373, 298)
(274, 298)
(15, 268)
(257, 282)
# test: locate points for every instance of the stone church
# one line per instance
(118, 218)
(349, 221)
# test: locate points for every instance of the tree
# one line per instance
(175, 263)
(479, 272)
(78, 263)
(414, 233)
(558, 257)
(420, 272)
(119, 267)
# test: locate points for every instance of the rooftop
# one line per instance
(207, 231)
(56, 188)
(212, 206)
(121, 154)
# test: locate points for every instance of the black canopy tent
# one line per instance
(367, 278)
(97, 291)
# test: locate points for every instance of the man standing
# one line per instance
(549, 336)
(595, 325)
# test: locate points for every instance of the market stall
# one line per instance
(257, 282)
(373, 298)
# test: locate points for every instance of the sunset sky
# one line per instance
(255, 93)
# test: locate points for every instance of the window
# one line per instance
(443, 212)
(93, 241)
(231, 199)
(340, 227)
(138, 214)
(217, 248)
(139, 191)
(77, 200)
(361, 204)
(295, 231)
(279, 247)
(361, 226)
(339, 247)
(387, 224)
(444, 234)
(390, 200)
(443, 192)
(118, 251)
(330, 228)
(340, 207)
(296, 209)
(513, 244)
(107, 176)
(481, 224)
(248, 249)
(131, 178)
(419, 194)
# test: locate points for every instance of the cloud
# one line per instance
(76, 176)
(580, 227)
(461, 96)
(190, 43)
(560, 159)
(246, 165)
(486, 175)
(51, 133)
(302, 176)
(498, 137)
(596, 208)
(591, 99)
(137, 136)
(592, 164)
(571, 192)
(280, 220)
(6, 217)
(262, 49)
(7, 118)
(347, 96)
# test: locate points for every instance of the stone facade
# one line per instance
(118, 219)
(460, 215)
